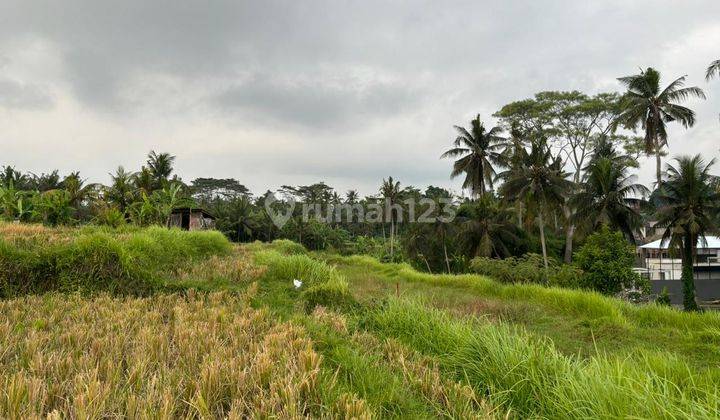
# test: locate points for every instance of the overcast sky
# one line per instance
(295, 92)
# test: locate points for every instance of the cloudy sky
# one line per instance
(294, 92)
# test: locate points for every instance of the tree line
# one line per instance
(556, 168)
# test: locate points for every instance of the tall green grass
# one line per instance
(322, 285)
(587, 304)
(532, 378)
(137, 262)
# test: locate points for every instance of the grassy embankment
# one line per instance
(447, 346)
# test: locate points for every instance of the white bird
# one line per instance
(297, 283)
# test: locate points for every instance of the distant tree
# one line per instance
(351, 197)
(208, 189)
(488, 229)
(712, 70)
(143, 181)
(434, 192)
(54, 207)
(237, 218)
(604, 196)
(121, 192)
(46, 182)
(478, 150)
(9, 176)
(390, 192)
(160, 166)
(646, 105)
(689, 206)
(537, 180)
(78, 190)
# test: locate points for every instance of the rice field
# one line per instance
(229, 334)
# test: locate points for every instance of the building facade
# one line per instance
(663, 268)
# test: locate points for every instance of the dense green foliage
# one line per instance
(130, 261)
(528, 269)
(607, 261)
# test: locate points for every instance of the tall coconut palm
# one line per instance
(488, 228)
(689, 205)
(121, 191)
(351, 197)
(78, 190)
(712, 70)
(604, 195)
(646, 105)
(390, 192)
(537, 180)
(479, 149)
(160, 166)
(143, 181)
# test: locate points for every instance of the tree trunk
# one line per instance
(392, 238)
(687, 277)
(447, 260)
(569, 234)
(542, 244)
(658, 166)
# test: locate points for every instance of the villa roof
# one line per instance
(710, 243)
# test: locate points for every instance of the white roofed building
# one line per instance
(663, 268)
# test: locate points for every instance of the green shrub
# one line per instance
(527, 269)
(607, 260)
(663, 298)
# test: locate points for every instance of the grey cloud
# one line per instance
(315, 102)
(392, 77)
(17, 95)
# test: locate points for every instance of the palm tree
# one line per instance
(121, 191)
(488, 228)
(78, 190)
(143, 181)
(390, 192)
(9, 176)
(689, 204)
(537, 180)
(713, 70)
(478, 150)
(351, 197)
(160, 166)
(651, 108)
(604, 195)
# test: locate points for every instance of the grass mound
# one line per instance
(129, 261)
(321, 283)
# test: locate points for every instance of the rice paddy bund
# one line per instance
(157, 323)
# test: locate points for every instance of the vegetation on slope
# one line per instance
(357, 339)
(36, 259)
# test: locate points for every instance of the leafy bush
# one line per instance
(663, 298)
(527, 269)
(607, 260)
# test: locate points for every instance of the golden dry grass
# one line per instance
(198, 356)
(237, 267)
(21, 233)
